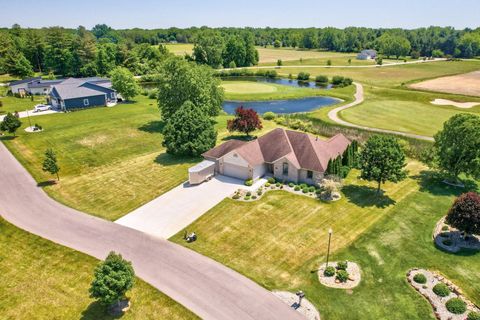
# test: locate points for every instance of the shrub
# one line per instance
(267, 184)
(291, 184)
(318, 191)
(456, 306)
(247, 198)
(271, 74)
(248, 182)
(236, 196)
(153, 94)
(447, 242)
(303, 185)
(254, 197)
(342, 265)
(321, 80)
(305, 190)
(248, 193)
(473, 316)
(441, 289)
(342, 275)
(337, 80)
(277, 184)
(311, 189)
(303, 76)
(329, 271)
(271, 180)
(259, 192)
(297, 188)
(445, 228)
(420, 278)
(269, 115)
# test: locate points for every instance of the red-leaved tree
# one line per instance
(465, 213)
(246, 121)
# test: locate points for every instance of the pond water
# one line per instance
(281, 106)
(282, 81)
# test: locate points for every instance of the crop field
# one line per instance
(466, 84)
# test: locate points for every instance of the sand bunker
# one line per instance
(463, 105)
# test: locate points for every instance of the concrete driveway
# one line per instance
(175, 210)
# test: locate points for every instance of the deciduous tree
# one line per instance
(465, 213)
(246, 121)
(50, 164)
(382, 159)
(124, 82)
(10, 123)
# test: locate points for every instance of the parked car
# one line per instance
(41, 107)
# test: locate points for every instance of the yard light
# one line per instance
(28, 116)
(330, 231)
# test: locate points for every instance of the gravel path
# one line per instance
(359, 98)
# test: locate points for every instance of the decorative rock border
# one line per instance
(437, 302)
(451, 239)
(31, 129)
(307, 309)
(255, 195)
(353, 270)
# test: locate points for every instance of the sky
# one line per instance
(150, 14)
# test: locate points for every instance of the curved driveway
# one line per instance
(206, 287)
(359, 97)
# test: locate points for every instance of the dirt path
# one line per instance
(359, 98)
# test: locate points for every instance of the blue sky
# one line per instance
(293, 13)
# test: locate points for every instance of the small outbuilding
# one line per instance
(201, 172)
(367, 55)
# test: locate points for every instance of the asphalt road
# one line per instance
(207, 288)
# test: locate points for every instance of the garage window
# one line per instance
(309, 174)
(285, 169)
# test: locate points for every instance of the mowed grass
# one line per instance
(280, 240)
(43, 280)
(403, 110)
(111, 159)
(12, 104)
(180, 49)
(240, 90)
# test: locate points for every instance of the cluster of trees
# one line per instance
(212, 49)
(79, 52)
(342, 165)
(189, 96)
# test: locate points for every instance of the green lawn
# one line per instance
(12, 104)
(279, 240)
(112, 159)
(256, 91)
(43, 280)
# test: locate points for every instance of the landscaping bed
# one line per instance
(307, 309)
(452, 240)
(340, 275)
(447, 299)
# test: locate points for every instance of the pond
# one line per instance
(282, 81)
(281, 106)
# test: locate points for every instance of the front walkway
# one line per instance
(175, 210)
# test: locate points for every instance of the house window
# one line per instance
(309, 174)
(285, 169)
(112, 95)
(85, 102)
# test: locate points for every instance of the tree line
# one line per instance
(82, 52)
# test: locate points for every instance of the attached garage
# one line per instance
(236, 171)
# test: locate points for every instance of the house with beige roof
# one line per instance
(284, 154)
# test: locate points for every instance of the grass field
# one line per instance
(281, 239)
(43, 280)
(12, 104)
(112, 159)
(256, 91)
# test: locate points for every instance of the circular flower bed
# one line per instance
(341, 275)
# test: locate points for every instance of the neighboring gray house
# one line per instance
(21, 86)
(367, 55)
(82, 93)
(287, 155)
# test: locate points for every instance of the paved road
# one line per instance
(207, 288)
(359, 97)
(172, 212)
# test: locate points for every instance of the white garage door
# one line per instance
(235, 171)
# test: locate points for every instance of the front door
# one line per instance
(270, 168)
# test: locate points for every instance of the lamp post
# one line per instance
(28, 116)
(330, 231)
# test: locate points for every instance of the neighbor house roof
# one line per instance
(27, 80)
(72, 88)
(302, 150)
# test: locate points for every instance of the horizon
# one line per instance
(147, 14)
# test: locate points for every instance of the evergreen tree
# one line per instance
(50, 163)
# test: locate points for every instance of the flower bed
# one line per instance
(450, 239)
(446, 296)
(344, 277)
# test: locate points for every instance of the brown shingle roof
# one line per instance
(303, 150)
